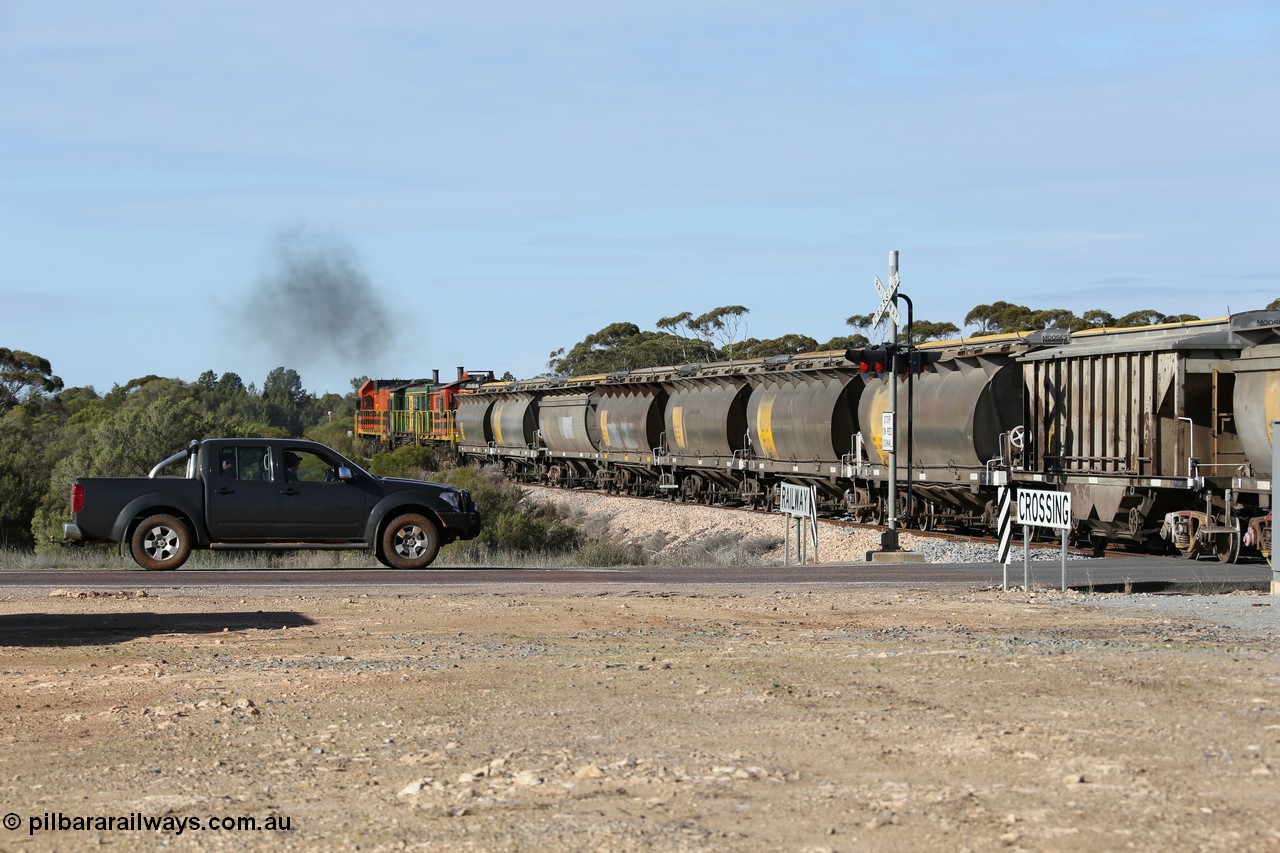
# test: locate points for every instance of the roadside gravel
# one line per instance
(1255, 614)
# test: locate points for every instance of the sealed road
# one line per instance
(1138, 573)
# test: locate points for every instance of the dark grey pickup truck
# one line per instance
(264, 494)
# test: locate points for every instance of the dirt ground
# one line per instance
(616, 719)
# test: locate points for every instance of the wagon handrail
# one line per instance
(1191, 448)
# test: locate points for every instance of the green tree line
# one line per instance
(717, 335)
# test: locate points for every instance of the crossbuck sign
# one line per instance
(887, 305)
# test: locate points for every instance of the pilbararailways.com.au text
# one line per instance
(138, 822)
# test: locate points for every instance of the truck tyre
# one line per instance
(410, 541)
(160, 543)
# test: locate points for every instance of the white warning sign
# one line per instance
(797, 500)
(1039, 508)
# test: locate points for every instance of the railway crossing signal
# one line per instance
(877, 359)
(918, 360)
(870, 360)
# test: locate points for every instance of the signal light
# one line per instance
(920, 359)
(877, 359)
(870, 359)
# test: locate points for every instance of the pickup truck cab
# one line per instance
(268, 494)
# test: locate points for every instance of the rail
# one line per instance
(418, 425)
(1241, 469)
(371, 422)
(1191, 447)
(858, 456)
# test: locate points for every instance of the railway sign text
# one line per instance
(796, 500)
(1040, 508)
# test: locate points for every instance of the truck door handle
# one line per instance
(290, 492)
(224, 491)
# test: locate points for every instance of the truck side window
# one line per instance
(228, 463)
(248, 463)
(309, 467)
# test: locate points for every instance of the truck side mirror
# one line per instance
(344, 474)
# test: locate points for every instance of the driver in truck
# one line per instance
(291, 462)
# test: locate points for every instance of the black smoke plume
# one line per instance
(315, 304)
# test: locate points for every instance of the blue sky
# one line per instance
(489, 183)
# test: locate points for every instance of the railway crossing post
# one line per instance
(889, 307)
(889, 550)
(1275, 474)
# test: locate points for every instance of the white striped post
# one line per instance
(1004, 527)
